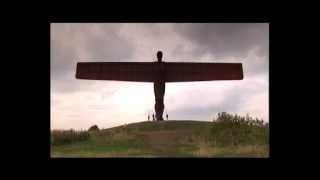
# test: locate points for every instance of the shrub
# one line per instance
(60, 137)
(239, 120)
(231, 129)
(94, 128)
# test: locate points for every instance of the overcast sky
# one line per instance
(79, 104)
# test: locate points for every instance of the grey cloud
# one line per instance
(71, 43)
(226, 39)
(61, 60)
(256, 68)
(108, 46)
(247, 43)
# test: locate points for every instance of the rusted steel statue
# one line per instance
(159, 73)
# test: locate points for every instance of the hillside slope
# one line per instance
(171, 139)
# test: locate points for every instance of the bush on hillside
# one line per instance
(94, 128)
(231, 129)
(236, 119)
(60, 137)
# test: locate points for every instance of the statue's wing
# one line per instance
(152, 71)
(118, 71)
(183, 72)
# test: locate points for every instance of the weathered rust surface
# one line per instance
(118, 71)
(184, 72)
(155, 71)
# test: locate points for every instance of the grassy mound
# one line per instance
(222, 138)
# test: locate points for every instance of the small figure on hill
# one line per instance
(167, 116)
(152, 117)
(94, 128)
(148, 117)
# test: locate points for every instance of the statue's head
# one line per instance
(159, 56)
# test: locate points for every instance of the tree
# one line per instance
(94, 128)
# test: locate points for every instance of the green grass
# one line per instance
(171, 139)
